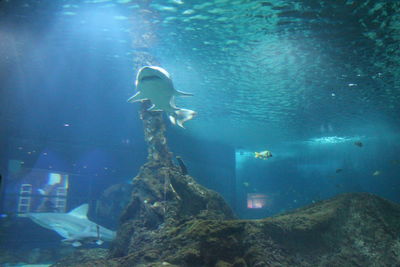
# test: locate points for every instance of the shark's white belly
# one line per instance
(159, 93)
(74, 229)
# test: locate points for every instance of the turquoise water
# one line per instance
(306, 80)
(265, 70)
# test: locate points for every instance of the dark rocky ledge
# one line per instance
(173, 221)
(357, 229)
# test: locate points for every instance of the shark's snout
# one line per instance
(152, 72)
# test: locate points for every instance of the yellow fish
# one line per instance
(263, 154)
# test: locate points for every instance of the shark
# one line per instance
(155, 84)
(74, 226)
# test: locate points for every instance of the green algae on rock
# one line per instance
(357, 229)
(163, 197)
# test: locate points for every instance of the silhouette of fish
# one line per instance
(181, 165)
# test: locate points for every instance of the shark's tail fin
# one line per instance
(181, 115)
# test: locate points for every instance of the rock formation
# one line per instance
(163, 197)
(357, 229)
(173, 221)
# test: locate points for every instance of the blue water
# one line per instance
(303, 79)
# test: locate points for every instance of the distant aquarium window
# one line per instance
(257, 201)
(255, 195)
(35, 190)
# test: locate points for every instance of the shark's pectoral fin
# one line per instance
(136, 98)
(180, 93)
(71, 241)
(62, 232)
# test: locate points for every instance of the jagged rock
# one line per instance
(173, 221)
(357, 229)
(111, 203)
(163, 198)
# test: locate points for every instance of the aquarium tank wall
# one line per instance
(199, 133)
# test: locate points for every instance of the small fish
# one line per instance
(338, 170)
(376, 173)
(263, 154)
(358, 143)
(182, 165)
(246, 184)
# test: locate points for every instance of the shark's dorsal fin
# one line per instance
(80, 211)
